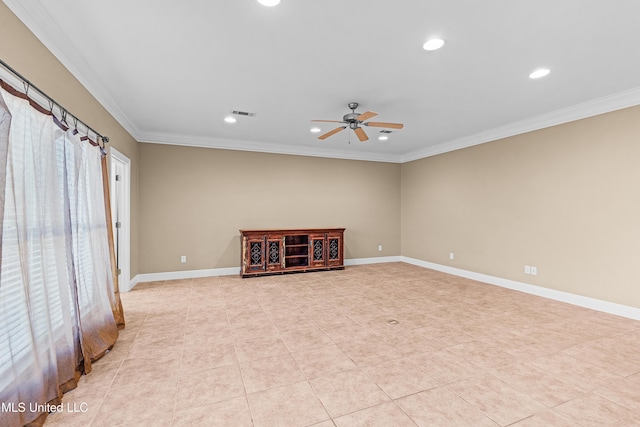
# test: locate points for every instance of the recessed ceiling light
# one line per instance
(383, 137)
(433, 44)
(269, 3)
(315, 130)
(541, 72)
(230, 119)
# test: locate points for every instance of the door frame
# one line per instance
(124, 257)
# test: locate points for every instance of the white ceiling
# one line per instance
(170, 71)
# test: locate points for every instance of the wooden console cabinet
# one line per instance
(281, 251)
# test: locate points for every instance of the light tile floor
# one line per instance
(317, 349)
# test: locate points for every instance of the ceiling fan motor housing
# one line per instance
(350, 118)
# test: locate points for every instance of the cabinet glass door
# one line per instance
(334, 249)
(274, 256)
(255, 255)
(318, 250)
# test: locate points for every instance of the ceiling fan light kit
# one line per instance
(354, 121)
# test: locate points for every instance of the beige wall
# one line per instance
(194, 201)
(565, 199)
(26, 54)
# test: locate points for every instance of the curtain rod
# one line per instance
(63, 111)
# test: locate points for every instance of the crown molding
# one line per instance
(41, 25)
(572, 113)
(261, 147)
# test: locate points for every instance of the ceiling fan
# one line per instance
(355, 120)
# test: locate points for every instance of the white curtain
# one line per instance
(55, 276)
(90, 248)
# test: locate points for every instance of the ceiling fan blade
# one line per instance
(360, 134)
(328, 121)
(333, 132)
(384, 125)
(366, 115)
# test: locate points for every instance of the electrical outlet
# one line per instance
(379, 248)
(451, 256)
(534, 270)
(527, 269)
(183, 258)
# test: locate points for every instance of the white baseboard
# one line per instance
(579, 300)
(127, 287)
(374, 260)
(132, 284)
(192, 274)
(186, 274)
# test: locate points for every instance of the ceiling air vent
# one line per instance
(243, 113)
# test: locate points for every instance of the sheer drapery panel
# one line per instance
(56, 286)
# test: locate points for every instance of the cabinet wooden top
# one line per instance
(293, 230)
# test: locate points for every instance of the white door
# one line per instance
(120, 179)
